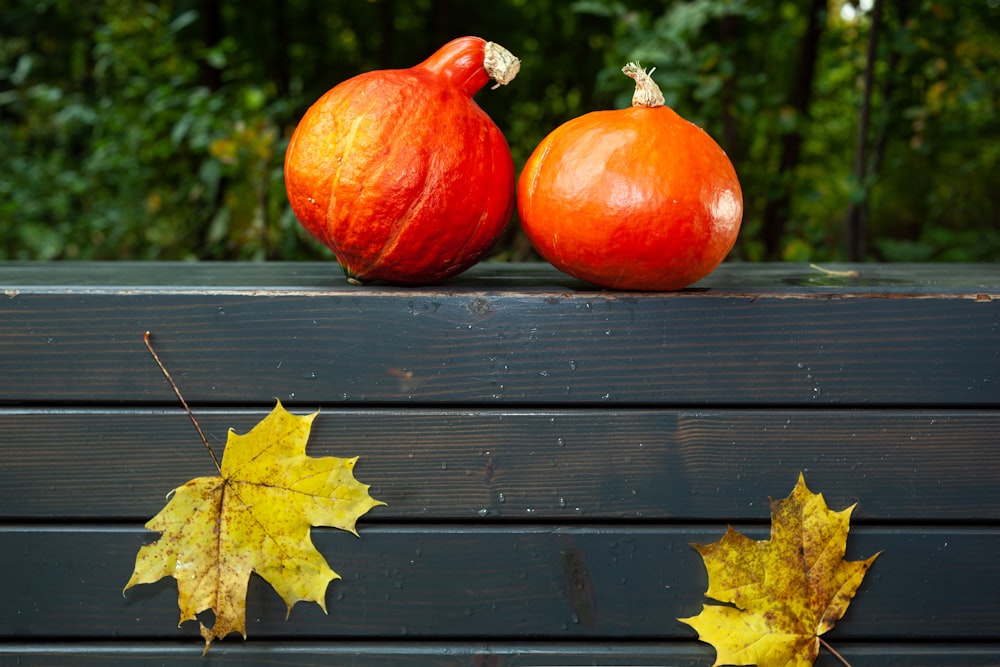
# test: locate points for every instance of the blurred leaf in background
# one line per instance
(158, 130)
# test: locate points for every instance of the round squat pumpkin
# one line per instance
(401, 173)
(631, 199)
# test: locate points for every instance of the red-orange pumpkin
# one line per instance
(631, 199)
(401, 173)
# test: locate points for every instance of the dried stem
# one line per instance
(500, 64)
(829, 648)
(647, 93)
(173, 385)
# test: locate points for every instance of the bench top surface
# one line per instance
(529, 278)
(773, 334)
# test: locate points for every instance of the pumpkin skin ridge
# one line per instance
(498, 150)
(337, 229)
(406, 159)
(459, 219)
(411, 204)
(324, 231)
(306, 214)
(389, 213)
(535, 167)
(452, 267)
(396, 231)
(330, 140)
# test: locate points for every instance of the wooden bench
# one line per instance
(547, 452)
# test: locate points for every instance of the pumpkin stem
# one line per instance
(647, 93)
(468, 63)
(500, 64)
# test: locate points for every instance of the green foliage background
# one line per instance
(157, 130)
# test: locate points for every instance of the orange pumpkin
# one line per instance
(401, 173)
(631, 199)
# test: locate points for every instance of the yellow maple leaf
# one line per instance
(781, 594)
(256, 516)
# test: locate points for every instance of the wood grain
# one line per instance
(520, 581)
(720, 345)
(567, 465)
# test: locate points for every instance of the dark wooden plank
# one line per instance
(477, 654)
(732, 277)
(571, 465)
(531, 581)
(501, 348)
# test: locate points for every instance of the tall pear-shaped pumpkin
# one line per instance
(631, 199)
(401, 173)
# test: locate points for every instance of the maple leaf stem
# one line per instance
(832, 650)
(149, 346)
